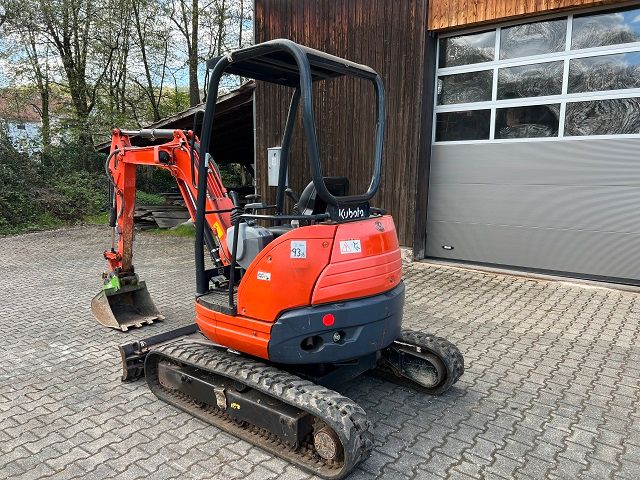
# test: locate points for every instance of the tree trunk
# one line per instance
(42, 82)
(149, 89)
(241, 24)
(79, 99)
(46, 124)
(221, 18)
(194, 89)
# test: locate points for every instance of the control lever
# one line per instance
(237, 209)
(295, 198)
(254, 203)
(234, 198)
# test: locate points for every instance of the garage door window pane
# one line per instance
(533, 121)
(456, 126)
(465, 87)
(530, 80)
(606, 72)
(606, 29)
(467, 49)
(620, 116)
(533, 39)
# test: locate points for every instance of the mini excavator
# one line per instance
(293, 305)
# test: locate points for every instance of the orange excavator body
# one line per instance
(332, 270)
(324, 263)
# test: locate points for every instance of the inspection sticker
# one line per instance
(350, 246)
(298, 249)
(264, 276)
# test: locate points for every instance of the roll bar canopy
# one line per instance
(286, 63)
(273, 62)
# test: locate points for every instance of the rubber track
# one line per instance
(342, 414)
(442, 348)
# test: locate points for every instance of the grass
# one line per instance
(97, 219)
(184, 230)
(45, 221)
(49, 222)
(179, 231)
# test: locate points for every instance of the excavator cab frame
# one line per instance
(284, 62)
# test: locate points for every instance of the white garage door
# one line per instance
(536, 153)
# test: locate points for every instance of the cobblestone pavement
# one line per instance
(551, 388)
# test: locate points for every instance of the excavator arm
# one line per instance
(124, 300)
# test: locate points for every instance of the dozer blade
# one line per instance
(128, 306)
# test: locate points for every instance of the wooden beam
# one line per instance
(448, 14)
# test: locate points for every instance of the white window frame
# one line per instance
(494, 104)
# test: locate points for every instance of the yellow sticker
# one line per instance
(219, 230)
(235, 406)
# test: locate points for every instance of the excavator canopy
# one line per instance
(275, 62)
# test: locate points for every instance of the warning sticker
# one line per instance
(350, 246)
(219, 230)
(264, 276)
(298, 249)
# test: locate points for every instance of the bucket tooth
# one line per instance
(128, 306)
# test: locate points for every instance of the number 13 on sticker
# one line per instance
(298, 249)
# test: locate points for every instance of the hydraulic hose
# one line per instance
(113, 214)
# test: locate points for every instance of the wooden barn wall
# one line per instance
(387, 35)
(444, 14)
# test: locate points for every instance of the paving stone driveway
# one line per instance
(551, 389)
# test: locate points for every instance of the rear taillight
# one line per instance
(328, 320)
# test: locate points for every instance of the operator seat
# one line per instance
(310, 202)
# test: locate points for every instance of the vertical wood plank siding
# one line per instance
(387, 35)
(445, 14)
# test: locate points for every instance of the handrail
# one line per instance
(316, 218)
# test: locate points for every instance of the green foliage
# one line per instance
(38, 192)
(112, 77)
(155, 180)
(174, 101)
(144, 198)
(45, 221)
(72, 156)
(73, 195)
(62, 186)
(184, 230)
(233, 175)
(97, 219)
(17, 198)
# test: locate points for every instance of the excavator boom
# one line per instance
(124, 300)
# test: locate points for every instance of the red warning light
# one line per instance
(328, 319)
